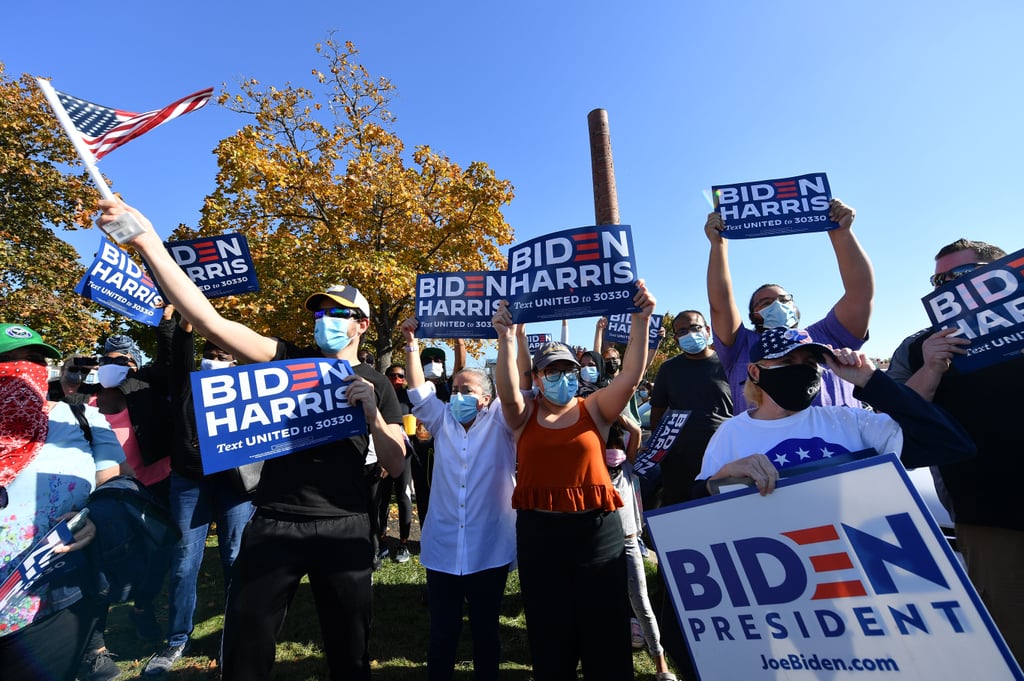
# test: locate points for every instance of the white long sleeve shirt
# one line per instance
(471, 525)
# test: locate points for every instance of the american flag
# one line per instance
(103, 129)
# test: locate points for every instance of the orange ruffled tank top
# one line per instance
(562, 469)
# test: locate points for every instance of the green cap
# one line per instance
(14, 336)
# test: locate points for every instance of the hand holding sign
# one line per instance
(756, 467)
(939, 348)
(713, 229)
(360, 392)
(502, 321)
(83, 529)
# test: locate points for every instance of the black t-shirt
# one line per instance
(700, 386)
(330, 479)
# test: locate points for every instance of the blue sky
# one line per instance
(912, 108)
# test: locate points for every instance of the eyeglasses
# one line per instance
(119, 361)
(941, 278)
(765, 302)
(339, 313)
(553, 374)
(396, 375)
(692, 328)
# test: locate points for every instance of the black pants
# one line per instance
(277, 551)
(572, 571)
(50, 648)
(482, 592)
(400, 487)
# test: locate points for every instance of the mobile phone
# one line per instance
(78, 521)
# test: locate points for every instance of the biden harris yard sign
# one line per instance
(262, 411)
(838, 572)
(218, 265)
(584, 272)
(792, 205)
(116, 282)
(987, 307)
(458, 304)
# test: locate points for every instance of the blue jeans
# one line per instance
(194, 505)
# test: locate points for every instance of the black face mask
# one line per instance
(793, 387)
(611, 366)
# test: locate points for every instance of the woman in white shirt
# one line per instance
(469, 537)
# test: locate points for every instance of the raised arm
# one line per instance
(524, 361)
(853, 310)
(599, 328)
(506, 372)
(460, 356)
(238, 339)
(610, 400)
(413, 367)
(725, 315)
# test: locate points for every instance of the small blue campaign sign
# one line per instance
(791, 205)
(219, 265)
(987, 307)
(583, 272)
(620, 324)
(262, 411)
(458, 304)
(116, 282)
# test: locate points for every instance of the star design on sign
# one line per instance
(803, 454)
(781, 460)
(825, 453)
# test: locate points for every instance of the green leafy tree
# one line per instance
(322, 188)
(42, 186)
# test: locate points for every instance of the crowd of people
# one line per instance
(524, 468)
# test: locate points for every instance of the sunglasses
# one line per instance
(119, 361)
(941, 278)
(396, 375)
(338, 313)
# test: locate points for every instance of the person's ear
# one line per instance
(753, 373)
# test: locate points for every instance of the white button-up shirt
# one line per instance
(470, 525)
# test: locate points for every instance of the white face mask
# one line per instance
(111, 375)
(213, 364)
(433, 370)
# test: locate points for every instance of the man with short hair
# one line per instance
(312, 506)
(987, 510)
(845, 325)
(695, 381)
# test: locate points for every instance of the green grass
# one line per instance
(398, 643)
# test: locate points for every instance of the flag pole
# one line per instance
(69, 130)
(125, 227)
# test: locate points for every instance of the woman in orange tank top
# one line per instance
(572, 569)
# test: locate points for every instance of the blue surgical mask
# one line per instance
(589, 374)
(779, 314)
(111, 375)
(561, 390)
(463, 407)
(693, 343)
(331, 334)
(642, 394)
